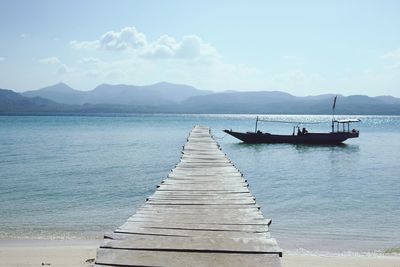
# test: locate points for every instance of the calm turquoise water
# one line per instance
(76, 177)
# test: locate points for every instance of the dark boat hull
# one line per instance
(308, 138)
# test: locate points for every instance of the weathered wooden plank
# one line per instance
(183, 233)
(200, 198)
(178, 189)
(188, 232)
(193, 227)
(235, 204)
(183, 218)
(198, 219)
(243, 209)
(185, 175)
(204, 234)
(192, 173)
(130, 258)
(202, 180)
(235, 200)
(208, 162)
(176, 243)
(204, 157)
(211, 211)
(245, 194)
(202, 186)
(188, 182)
(253, 213)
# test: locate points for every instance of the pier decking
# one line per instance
(202, 214)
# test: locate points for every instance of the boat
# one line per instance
(340, 132)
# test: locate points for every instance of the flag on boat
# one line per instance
(334, 103)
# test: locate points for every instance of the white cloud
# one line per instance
(63, 69)
(2, 59)
(126, 38)
(165, 47)
(90, 61)
(395, 54)
(394, 58)
(24, 35)
(50, 60)
(191, 47)
(84, 44)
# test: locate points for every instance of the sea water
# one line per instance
(65, 177)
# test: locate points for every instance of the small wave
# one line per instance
(50, 235)
(306, 252)
(393, 251)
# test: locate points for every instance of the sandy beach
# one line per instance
(81, 253)
(51, 253)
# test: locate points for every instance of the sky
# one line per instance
(301, 47)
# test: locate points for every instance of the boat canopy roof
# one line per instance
(311, 122)
(347, 121)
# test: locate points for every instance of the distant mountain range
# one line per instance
(152, 95)
(177, 98)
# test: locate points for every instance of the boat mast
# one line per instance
(333, 113)
(256, 125)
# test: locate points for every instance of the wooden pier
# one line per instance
(202, 214)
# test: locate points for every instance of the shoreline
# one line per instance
(81, 253)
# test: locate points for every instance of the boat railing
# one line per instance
(345, 125)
